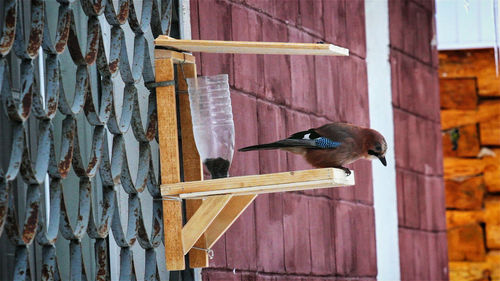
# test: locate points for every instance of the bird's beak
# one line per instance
(382, 159)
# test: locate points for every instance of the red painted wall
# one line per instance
(419, 158)
(293, 236)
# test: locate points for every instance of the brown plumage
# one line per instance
(332, 145)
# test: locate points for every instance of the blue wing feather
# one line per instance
(323, 142)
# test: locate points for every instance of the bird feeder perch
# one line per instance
(213, 205)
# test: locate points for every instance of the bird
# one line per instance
(332, 145)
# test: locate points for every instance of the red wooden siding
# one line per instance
(314, 235)
(419, 159)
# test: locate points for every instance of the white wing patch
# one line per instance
(306, 136)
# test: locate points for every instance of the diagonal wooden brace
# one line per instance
(201, 220)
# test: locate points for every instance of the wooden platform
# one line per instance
(249, 47)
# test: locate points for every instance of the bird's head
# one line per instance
(376, 146)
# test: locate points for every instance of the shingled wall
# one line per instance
(313, 235)
(418, 148)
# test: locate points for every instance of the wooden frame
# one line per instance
(248, 47)
(212, 206)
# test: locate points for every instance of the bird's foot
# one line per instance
(346, 170)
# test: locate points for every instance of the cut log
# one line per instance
(467, 143)
(492, 172)
(460, 167)
(477, 271)
(457, 218)
(466, 243)
(493, 236)
(474, 63)
(458, 93)
(465, 195)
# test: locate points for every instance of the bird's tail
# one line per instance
(286, 143)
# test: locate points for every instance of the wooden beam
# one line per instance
(257, 184)
(177, 57)
(202, 219)
(247, 47)
(169, 159)
(192, 166)
(227, 217)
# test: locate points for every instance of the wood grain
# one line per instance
(462, 167)
(169, 163)
(465, 195)
(282, 181)
(492, 172)
(472, 63)
(458, 93)
(247, 47)
(466, 243)
(202, 219)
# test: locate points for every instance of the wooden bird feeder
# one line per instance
(213, 205)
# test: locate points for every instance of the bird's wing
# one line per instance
(311, 136)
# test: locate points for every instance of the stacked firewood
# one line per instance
(470, 118)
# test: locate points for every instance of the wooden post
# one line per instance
(169, 161)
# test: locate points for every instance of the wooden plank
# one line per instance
(247, 47)
(463, 195)
(192, 166)
(234, 208)
(458, 93)
(177, 57)
(461, 167)
(169, 159)
(202, 219)
(335, 177)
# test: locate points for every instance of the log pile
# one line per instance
(470, 118)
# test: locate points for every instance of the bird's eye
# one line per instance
(378, 147)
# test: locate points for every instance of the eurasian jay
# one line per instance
(332, 145)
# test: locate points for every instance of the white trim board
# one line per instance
(381, 119)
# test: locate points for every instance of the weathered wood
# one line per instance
(490, 131)
(246, 47)
(457, 218)
(297, 180)
(192, 166)
(461, 167)
(176, 57)
(169, 159)
(492, 172)
(227, 217)
(467, 142)
(492, 236)
(479, 63)
(202, 219)
(458, 93)
(467, 194)
(452, 118)
(466, 243)
(492, 210)
(477, 271)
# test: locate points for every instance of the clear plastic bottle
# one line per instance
(213, 124)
